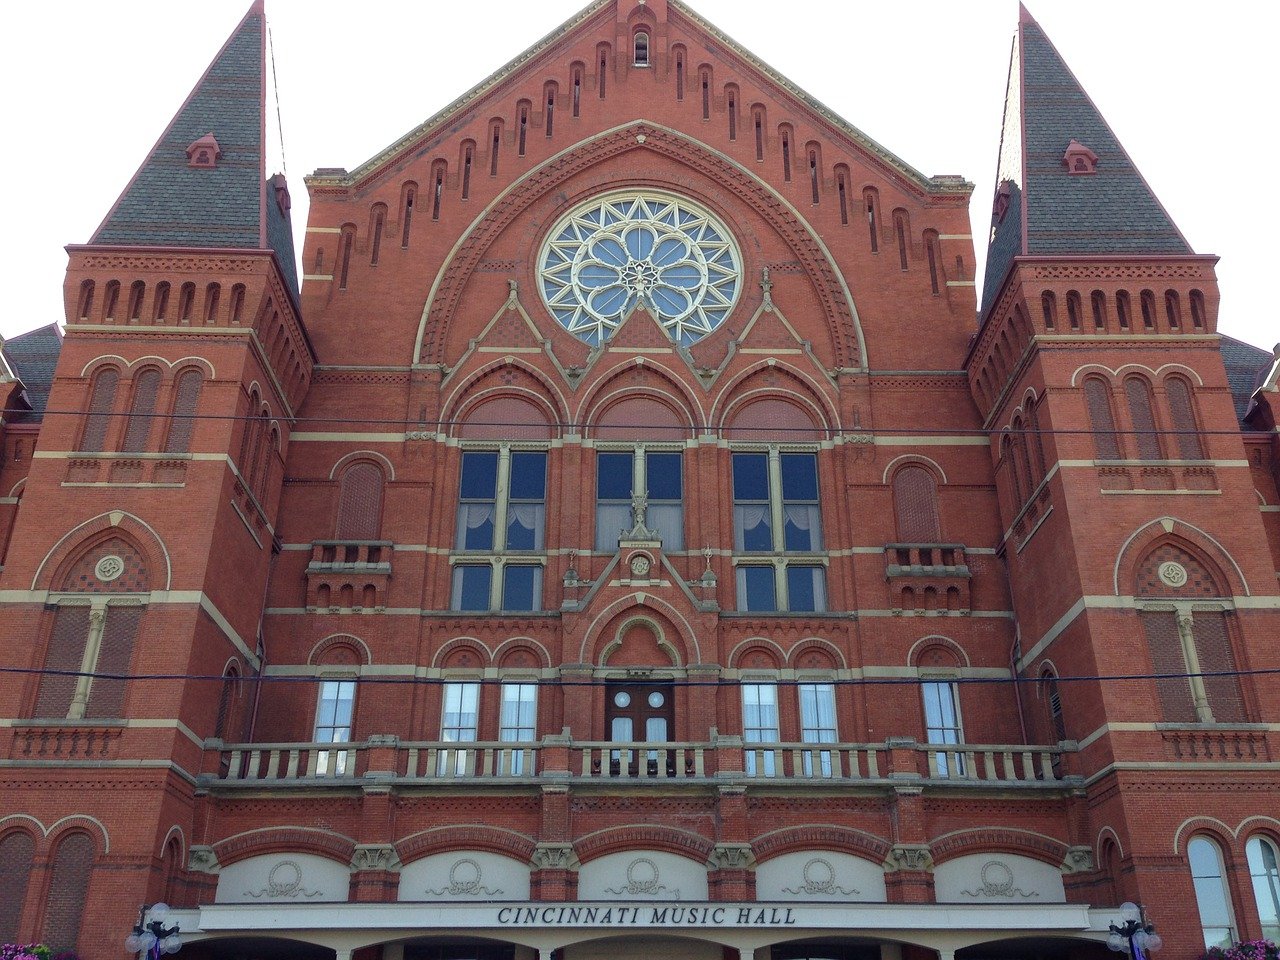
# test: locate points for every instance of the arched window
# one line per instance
(677, 52)
(1124, 310)
(360, 502)
(1049, 307)
(933, 250)
(17, 850)
(186, 395)
(815, 174)
(1147, 300)
(1138, 394)
(186, 302)
(102, 401)
(1008, 459)
(146, 386)
(212, 294)
(86, 300)
(1053, 704)
(136, 291)
(915, 505)
(1097, 396)
(731, 110)
(495, 141)
(68, 885)
(784, 136)
(1264, 871)
(438, 170)
(1182, 416)
(161, 309)
(1197, 309)
(549, 91)
(1212, 897)
(576, 96)
(379, 221)
(111, 300)
(1098, 299)
(1172, 309)
(522, 140)
(237, 303)
(409, 193)
(641, 49)
(900, 229)
(346, 241)
(758, 122)
(227, 697)
(871, 201)
(1073, 309)
(469, 156)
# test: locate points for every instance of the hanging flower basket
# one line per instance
(1244, 950)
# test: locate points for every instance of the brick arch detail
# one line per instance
(80, 823)
(1196, 542)
(456, 404)
(837, 301)
(505, 843)
(82, 537)
(606, 391)
(743, 388)
(922, 645)
(511, 645)
(340, 640)
(821, 837)
(450, 647)
(288, 839)
(644, 606)
(1211, 827)
(999, 839)
(644, 836)
(810, 644)
(772, 647)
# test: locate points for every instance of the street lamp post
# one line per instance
(150, 936)
(1134, 935)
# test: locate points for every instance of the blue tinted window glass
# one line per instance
(518, 588)
(479, 475)
(613, 476)
(750, 476)
(760, 589)
(663, 471)
(804, 589)
(528, 475)
(471, 587)
(799, 476)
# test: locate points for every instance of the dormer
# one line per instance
(1079, 159)
(204, 153)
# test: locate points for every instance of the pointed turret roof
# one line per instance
(1044, 208)
(223, 199)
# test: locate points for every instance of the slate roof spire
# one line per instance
(1044, 206)
(173, 201)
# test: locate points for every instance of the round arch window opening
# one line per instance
(662, 252)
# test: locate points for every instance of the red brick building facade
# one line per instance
(631, 537)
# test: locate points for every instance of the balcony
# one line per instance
(721, 760)
(348, 575)
(931, 577)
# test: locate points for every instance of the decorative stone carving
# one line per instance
(818, 878)
(643, 880)
(109, 568)
(374, 857)
(1078, 860)
(284, 882)
(732, 856)
(202, 860)
(465, 881)
(554, 856)
(911, 856)
(996, 880)
(1171, 573)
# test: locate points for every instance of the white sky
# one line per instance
(1190, 88)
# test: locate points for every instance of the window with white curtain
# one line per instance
(333, 723)
(502, 506)
(1264, 870)
(776, 511)
(817, 725)
(519, 719)
(658, 475)
(1212, 898)
(942, 724)
(760, 726)
(459, 718)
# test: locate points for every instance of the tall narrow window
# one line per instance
(1264, 871)
(1138, 394)
(1197, 309)
(212, 294)
(495, 141)
(102, 400)
(459, 718)
(437, 189)
(732, 104)
(1049, 308)
(604, 69)
(136, 291)
(186, 302)
(17, 851)
(111, 300)
(346, 242)
(900, 229)
(522, 128)
(1212, 899)
(641, 50)
(468, 156)
(1172, 309)
(706, 95)
(942, 725)
(146, 386)
(1098, 301)
(871, 202)
(760, 726)
(1124, 309)
(655, 474)
(360, 502)
(518, 722)
(915, 505)
(379, 219)
(1053, 703)
(1147, 300)
(776, 510)
(549, 98)
(1183, 418)
(237, 304)
(161, 309)
(817, 725)
(410, 195)
(842, 188)
(813, 175)
(68, 886)
(679, 74)
(86, 300)
(786, 156)
(931, 251)
(577, 91)
(1097, 396)
(1073, 309)
(334, 711)
(758, 122)
(501, 515)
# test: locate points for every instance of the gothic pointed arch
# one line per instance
(815, 259)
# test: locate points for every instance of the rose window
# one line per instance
(611, 255)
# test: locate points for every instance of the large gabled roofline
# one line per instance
(939, 185)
